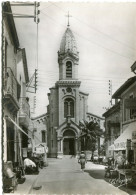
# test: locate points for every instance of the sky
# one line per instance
(106, 41)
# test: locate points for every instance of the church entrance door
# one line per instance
(68, 146)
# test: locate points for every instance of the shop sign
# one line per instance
(39, 150)
(134, 135)
(120, 146)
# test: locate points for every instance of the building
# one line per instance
(11, 87)
(16, 110)
(95, 118)
(126, 142)
(39, 128)
(112, 128)
(67, 104)
(133, 68)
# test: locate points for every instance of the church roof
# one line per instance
(68, 43)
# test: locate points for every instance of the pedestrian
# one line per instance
(82, 159)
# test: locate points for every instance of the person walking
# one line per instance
(82, 160)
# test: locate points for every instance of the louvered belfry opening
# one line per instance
(68, 69)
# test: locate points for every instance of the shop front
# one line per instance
(41, 150)
(124, 144)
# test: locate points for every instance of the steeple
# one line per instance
(68, 43)
(68, 56)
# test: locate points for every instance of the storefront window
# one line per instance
(132, 111)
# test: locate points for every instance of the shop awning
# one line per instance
(120, 142)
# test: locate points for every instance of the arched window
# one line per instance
(69, 107)
(68, 69)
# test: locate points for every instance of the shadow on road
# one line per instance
(96, 174)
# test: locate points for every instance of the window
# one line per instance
(43, 136)
(69, 107)
(132, 111)
(68, 69)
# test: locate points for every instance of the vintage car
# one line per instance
(88, 154)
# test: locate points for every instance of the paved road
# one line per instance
(64, 176)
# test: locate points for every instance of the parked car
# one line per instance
(100, 159)
(95, 159)
(88, 154)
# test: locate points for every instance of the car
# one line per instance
(88, 154)
(100, 159)
(95, 158)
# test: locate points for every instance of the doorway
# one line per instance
(68, 146)
(10, 143)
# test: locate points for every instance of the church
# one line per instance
(67, 104)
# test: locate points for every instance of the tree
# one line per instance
(103, 150)
(90, 133)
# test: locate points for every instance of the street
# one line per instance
(64, 176)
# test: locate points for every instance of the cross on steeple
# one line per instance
(68, 18)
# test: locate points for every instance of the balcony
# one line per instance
(11, 89)
(24, 112)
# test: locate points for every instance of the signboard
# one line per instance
(134, 135)
(130, 103)
(40, 150)
(120, 146)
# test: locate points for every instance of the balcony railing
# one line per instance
(11, 84)
(11, 87)
(24, 112)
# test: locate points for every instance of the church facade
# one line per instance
(67, 104)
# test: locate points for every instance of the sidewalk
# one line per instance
(25, 188)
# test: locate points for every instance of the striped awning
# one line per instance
(121, 141)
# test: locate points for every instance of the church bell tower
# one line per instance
(68, 57)
(67, 104)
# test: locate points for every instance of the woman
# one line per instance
(82, 160)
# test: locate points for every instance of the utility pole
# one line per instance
(110, 92)
(35, 15)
